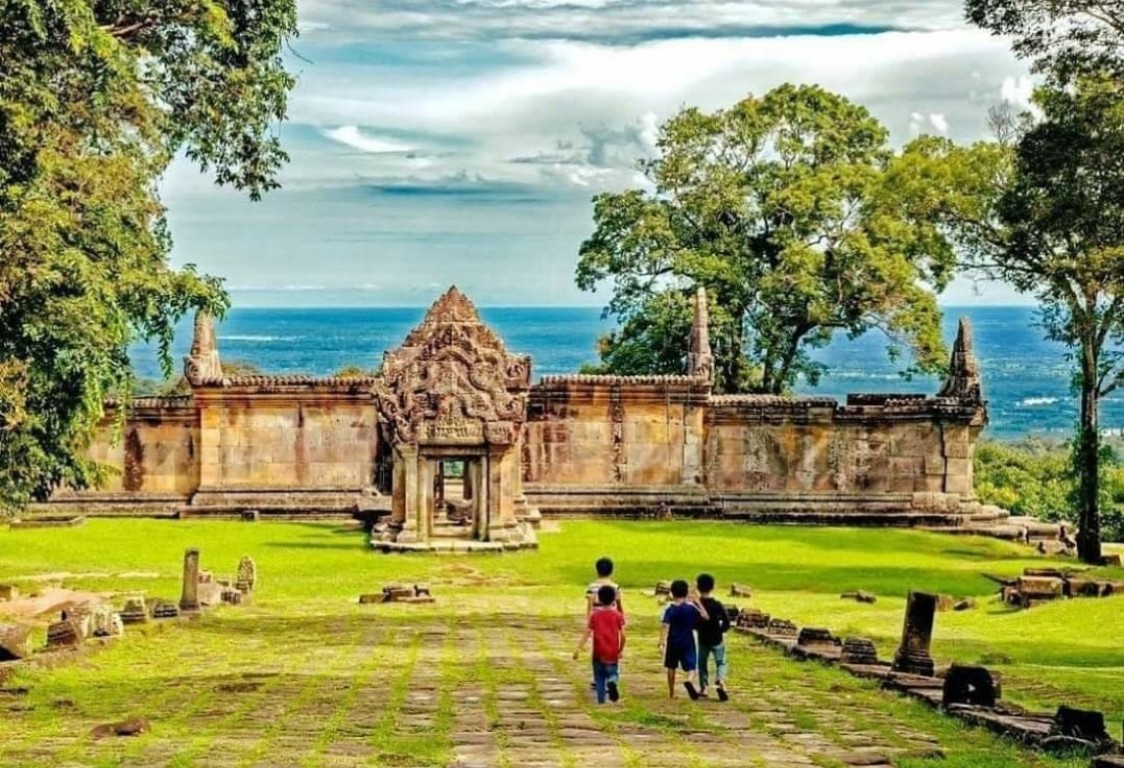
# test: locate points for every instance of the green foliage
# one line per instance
(1057, 36)
(96, 97)
(1037, 478)
(797, 217)
(1053, 227)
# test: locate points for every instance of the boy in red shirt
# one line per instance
(606, 627)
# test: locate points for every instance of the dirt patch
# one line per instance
(60, 576)
(50, 600)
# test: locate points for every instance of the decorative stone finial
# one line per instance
(700, 360)
(963, 380)
(202, 364)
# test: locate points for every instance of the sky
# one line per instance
(438, 142)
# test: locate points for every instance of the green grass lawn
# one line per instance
(1067, 652)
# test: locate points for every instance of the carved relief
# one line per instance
(616, 416)
(760, 459)
(849, 458)
(453, 381)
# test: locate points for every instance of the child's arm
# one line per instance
(699, 607)
(622, 640)
(663, 636)
(582, 642)
(589, 599)
(723, 619)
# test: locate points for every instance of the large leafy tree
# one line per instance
(96, 98)
(788, 208)
(1057, 233)
(1063, 36)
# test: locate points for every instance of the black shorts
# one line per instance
(681, 655)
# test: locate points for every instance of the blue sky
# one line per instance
(460, 141)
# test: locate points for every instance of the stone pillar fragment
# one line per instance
(189, 600)
(917, 635)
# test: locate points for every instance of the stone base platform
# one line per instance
(453, 546)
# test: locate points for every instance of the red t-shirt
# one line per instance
(606, 624)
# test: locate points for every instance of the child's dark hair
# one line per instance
(606, 595)
(604, 567)
(679, 588)
(705, 582)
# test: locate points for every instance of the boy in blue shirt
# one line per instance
(677, 637)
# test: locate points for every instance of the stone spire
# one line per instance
(700, 360)
(202, 364)
(963, 380)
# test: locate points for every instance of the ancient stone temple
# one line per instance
(453, 443)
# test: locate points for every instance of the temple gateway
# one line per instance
(453, 446)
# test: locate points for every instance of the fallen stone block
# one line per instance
(165, 609)
(663, 588)
(15, 642)
(64, 634)
(974, 686)
(134, 727)
(231, 596)
(966, 604)
(752, 618)
(1112, 561)
(737, 590)
(858, 651)
(1084, 724)
(1108, 761)
(860, 596)
(1041, 587)
(250, 516)
(811, 636)
(781, 628)
(8, 592)
(134, 612)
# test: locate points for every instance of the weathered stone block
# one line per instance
(15, 642)
(972, 686)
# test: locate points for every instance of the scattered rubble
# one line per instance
(399, 593)
(738, 590)
(1042, 585)
(860, 596)
(971, 693)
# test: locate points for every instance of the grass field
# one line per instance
(305, 676)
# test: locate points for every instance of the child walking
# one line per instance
(711, 638)
(677, 637)
(604, 568)
(606, 627)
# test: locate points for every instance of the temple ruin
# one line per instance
(454, 445)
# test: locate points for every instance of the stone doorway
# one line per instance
(457, 508)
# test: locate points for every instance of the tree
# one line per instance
(786, 208)
(1056, 231)
(1062, 37)
(96, 98)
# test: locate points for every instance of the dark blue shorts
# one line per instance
(681, 655)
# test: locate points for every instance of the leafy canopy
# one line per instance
(798, 218)
(1061, 37)
(96, 98)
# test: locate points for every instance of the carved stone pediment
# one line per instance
(453, 381)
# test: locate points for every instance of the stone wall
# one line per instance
(152, 460)
(287, 447)
(603, 444)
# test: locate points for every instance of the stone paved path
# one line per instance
(434, 685)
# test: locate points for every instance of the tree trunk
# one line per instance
(1088, 464)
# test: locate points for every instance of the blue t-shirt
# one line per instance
(681, 620)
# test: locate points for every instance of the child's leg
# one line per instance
(599, 680)
(613, 681)
(704, 655)
(690, 666)
(721, 670)
(671, 683)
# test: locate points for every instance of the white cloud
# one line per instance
(353, 137)
(425, 134)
